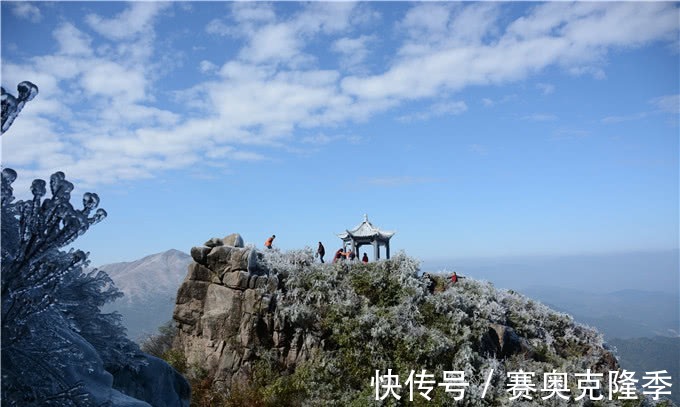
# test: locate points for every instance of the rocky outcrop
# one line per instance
(239, 311)
(502, 342)
(226, 310)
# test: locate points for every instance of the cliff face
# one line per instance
(226, 310)
(323, 330)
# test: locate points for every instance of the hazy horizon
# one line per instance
(598, 272)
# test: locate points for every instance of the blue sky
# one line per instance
(473, 129)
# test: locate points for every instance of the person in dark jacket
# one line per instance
(320, 252)
(430, 283)
(365, 258)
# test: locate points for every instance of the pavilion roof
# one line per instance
(366, 230)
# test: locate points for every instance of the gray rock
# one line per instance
(236, 279)
(200, 254)
(226, 307)
(214, 242)
(191, 289)
(254, 264)
(225, 258)
(234, 240)
(502, 342)
(198, 272)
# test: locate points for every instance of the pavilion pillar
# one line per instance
(387, 250)
(376, 250)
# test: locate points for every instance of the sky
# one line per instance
(473, 130)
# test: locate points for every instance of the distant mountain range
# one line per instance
(620, 314)
(150, 287)
(651, 354)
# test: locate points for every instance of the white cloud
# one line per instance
(72, 41)
(668, 104)
(253, 12)
(117, 127)
(663, 104)
(433, 26)
(27, 11)
(273, 42)
(218, 27)
(574, 35)
(111, 79)
(627, 118)
(207, 66)
(229, 152)
(437, 110)
(318, 139)
(323, 139)
(136, 19)
(353, 51)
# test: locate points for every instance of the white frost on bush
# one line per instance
(56, 344)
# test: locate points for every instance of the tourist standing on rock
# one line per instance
(365, 258)
(320, 252)
(268, 243)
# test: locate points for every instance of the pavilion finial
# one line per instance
(365, 218)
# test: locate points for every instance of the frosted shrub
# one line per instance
(380, 316)
(50, 305)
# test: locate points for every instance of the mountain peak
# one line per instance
(242, 314)
(158, 273)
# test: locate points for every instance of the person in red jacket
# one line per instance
(365, 258)
(268, 243)
(455, 277)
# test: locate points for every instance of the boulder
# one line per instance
(200, 254)
(198, 272)
(214, 242)
(233, 240)
(502, 342)
(223, 259)
(236, 279)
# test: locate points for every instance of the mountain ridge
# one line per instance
(149, 286)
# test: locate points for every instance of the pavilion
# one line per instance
(367, 234)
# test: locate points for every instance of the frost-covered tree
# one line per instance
(52, 327)
(381, 315)
(58, 348)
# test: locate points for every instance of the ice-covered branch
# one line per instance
(11, 106)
